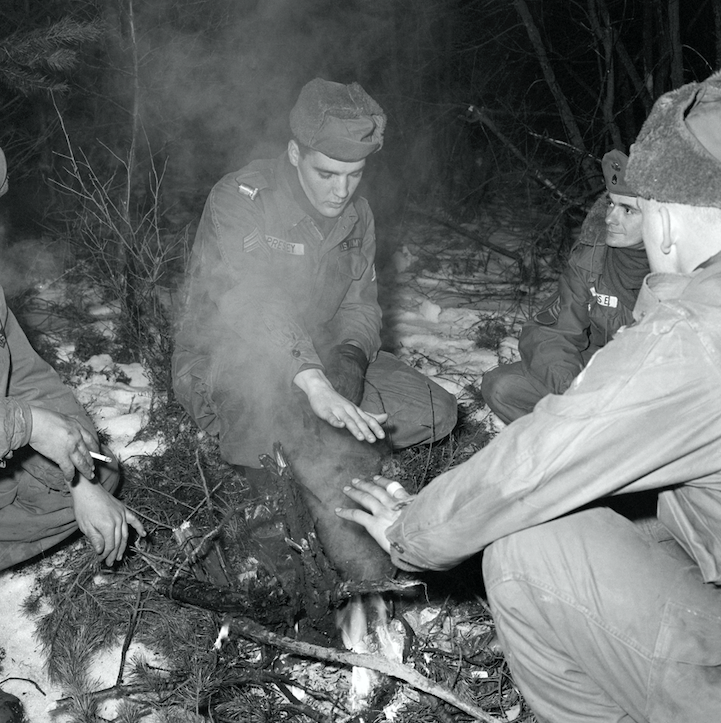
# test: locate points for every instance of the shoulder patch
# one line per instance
(548, 314)
(350, 243)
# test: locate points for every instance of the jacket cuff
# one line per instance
(399, 554)
(18, 423)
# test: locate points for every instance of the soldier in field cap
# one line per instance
(594, 298)
(602, 618)
(279, 334)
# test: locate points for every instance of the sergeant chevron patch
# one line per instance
(255, 241)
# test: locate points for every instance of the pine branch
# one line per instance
(29, 60)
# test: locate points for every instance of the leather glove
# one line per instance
(345, 368)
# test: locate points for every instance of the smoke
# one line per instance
(217, 87)
(27, 263)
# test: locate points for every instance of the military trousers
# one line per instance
(606, 620)
(510, 392)
(36, 511)
(250, 419)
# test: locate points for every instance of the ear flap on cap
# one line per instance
(614, 172)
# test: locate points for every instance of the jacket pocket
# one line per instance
(352, 265)
(685, 682)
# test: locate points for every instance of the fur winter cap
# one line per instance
(677, 155)
(3, 174)
(341, 121)
(614, 171)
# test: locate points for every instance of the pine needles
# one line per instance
(35, 61)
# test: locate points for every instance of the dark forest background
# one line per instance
(119, 115)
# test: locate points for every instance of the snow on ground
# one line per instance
(431, 319)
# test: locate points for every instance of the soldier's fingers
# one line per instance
(372, 496)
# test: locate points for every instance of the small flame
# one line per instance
(353, 623)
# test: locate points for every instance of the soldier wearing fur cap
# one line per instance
(603, 617)
(595, 297)
(279, 335)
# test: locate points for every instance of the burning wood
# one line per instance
(361, 637)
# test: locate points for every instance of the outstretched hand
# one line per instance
(63, 440)
(104, 520)
(383, 501)
(338, 411)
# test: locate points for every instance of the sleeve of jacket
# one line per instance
(552, 344)
(359, 316)
(254, 307)
(34, 382)
(609, 434)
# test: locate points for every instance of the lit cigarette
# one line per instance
(101, 457)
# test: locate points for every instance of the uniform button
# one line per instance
(295, 353)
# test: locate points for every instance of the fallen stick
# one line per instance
(348, 588)
(252, 631)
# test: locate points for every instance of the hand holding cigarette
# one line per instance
(101, 457)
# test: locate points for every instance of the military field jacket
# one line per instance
(261, 271)
(644, 414)
(26, 379)
(580, 318)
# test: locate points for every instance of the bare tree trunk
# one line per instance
(127, 249)
(676, 48)
(564, 108)
(620, 49)
(648, 54)
(663, 59)
(604, 34)
(716, 4)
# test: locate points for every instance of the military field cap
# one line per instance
(677, 155)
(614, 171)
(3, 173)
(341, 121)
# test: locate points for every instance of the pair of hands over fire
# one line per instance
(335, 409)
(103, 519)
(383, 501)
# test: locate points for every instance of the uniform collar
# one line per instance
(659, 287)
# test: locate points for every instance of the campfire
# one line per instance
(239, 646)
(365, 628)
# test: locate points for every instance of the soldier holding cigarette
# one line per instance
(49, 486)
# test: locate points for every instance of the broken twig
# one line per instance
(252, 631)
